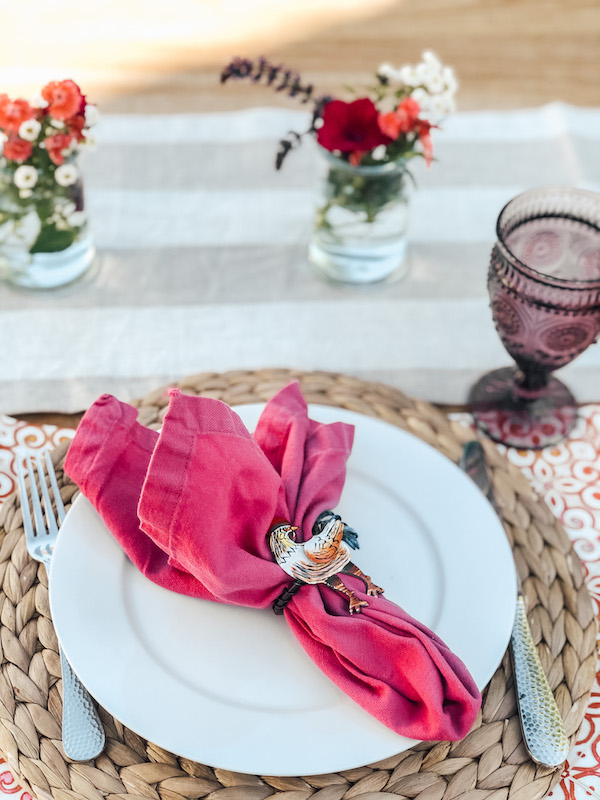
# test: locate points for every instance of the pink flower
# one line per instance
(17, 149)
(64, 99)
(403, 120)
(350, 127)
(14, 112)
(55, 146)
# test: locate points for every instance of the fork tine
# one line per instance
(26, 513)
(50, 518)
(38, 515)
(60, 509)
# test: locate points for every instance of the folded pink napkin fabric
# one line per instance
(192, 508)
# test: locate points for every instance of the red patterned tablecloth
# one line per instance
(566, 476)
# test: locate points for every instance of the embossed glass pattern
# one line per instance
(544, 287)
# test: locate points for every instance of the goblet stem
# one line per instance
(531, 383)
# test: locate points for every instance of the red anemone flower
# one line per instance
(350, 127)
(16, 149)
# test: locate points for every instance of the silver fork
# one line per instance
(83, 734)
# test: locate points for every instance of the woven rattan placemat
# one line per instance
(491, 762)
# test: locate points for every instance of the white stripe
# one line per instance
(150, 219)
(136, 341)
(536, 124)
(413, 338)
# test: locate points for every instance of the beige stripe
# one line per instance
(189, 276)
(252, 165)
(77, 394)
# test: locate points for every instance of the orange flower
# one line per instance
(55, 146)
(14, 112)
(356, 157)
(64, 99)
(17, 149)
(403, 120)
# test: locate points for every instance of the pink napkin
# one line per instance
(192, 508)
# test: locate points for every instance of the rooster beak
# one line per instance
(294, 527)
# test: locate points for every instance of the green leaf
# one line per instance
(51, 240)
(44, 208)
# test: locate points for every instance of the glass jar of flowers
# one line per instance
(367, 142)
(44, 236)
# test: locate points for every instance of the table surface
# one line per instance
(164, 60)
(164, 57)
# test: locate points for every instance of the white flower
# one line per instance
(379, 152)
(77, 218)
(37, 101)
(436, 83)
(386, 71)
(29, 130)
(57, 123)
(68, 209)
(450, 79)
(25, 193)
(66, 174)
(437, 108)
(422, 97)
(25, 177)
(430, 58)
(92, 115)
(424, 73)
(447, 103)
(407, 75)
(89, 143)
(318, 123)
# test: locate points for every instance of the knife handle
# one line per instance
(543, 730)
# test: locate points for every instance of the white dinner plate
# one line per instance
(231, 687)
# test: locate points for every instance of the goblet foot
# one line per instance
(527, 425)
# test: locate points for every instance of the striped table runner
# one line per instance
(202, 261)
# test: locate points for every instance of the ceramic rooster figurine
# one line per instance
(320, 559)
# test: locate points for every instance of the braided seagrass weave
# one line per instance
(489, 764)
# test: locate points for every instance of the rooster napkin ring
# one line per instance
(319, 560)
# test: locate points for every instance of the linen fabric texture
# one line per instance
(191, 507)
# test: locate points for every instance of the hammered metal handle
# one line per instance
(542, 724)
(83, 734)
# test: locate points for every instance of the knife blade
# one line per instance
(544, 734)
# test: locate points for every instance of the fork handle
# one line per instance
(82, 731)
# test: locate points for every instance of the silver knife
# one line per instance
(544, 734)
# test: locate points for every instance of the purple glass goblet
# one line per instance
(544, 287)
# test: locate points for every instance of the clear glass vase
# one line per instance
(45, 241)
(361, 222)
